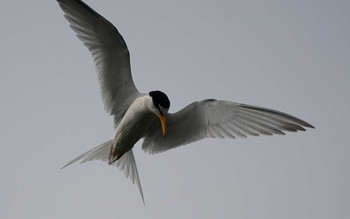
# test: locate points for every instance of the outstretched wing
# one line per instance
(109, 52)
(218, 119)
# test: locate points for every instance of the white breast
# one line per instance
(134, 124)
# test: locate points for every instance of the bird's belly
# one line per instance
(131, 129)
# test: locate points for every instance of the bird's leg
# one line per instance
(119, 156)
(112, 156)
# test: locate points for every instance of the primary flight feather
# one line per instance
(145, 115)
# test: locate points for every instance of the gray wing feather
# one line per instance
(109, 52)
(219, 119)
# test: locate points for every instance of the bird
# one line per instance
(146, 116)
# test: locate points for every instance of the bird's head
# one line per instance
(161, 105)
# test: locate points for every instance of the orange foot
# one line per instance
(112, 156)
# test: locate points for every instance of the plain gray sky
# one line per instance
(293, 56)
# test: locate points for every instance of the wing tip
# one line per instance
(298, 122)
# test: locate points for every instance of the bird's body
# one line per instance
(133, 125)
(145, 115)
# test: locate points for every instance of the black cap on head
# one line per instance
(160, 99)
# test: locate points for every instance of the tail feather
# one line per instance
(126, 163)
(97, 153)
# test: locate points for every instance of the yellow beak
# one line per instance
(163, 122)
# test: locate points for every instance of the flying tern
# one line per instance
(145, 115)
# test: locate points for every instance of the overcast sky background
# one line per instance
(292, 56)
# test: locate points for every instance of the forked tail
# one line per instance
(126, 163)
